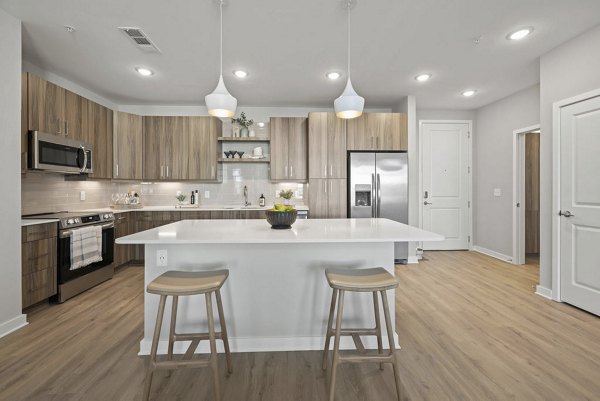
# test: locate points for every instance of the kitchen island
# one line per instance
(276, 297)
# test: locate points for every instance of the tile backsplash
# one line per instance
(48, 193)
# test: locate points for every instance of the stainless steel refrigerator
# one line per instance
(378, 187)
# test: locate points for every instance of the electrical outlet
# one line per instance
(497, 192)
(161, 258)
(82, 195)
(206, 194)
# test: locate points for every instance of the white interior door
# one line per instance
(445, 184)
(580, 205)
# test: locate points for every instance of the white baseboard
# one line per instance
(13, 324)
(493, 254)
(266, 344)
(413, 260)
(543, 292)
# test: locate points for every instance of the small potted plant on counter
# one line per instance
(244, 124)
(287, 195)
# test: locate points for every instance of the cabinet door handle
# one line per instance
(325, 175)
(161, 171)
(286, 174)
(291, 171)
(117, 166)
(167, 171)
(325, 186)
(66, 128)
(212, 172)
(331, 170)
(59, 126)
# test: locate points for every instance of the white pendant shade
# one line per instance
(349, 104)
(220, 103)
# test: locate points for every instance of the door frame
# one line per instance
(518, 226)
(556, 123)
(469, 180)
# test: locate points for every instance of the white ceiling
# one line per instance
(288, 45)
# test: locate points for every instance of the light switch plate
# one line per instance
(497, 192)
(206, 194)
(82, 195)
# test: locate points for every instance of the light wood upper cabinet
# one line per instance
(289, 148)
(378, 131)
(127, 146)
(73, 116)
(97, 125)
(45, 105)
(327, 146)
(203, 147)
(166, 148)
(327, 198)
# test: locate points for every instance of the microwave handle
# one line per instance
(85, 159)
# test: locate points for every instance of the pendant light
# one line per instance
(349, 104)
(220, 103)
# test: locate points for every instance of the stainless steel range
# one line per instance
(73, 282)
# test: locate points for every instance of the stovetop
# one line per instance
(76, 219)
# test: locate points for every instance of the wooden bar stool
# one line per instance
(361, 280)
(176, 284)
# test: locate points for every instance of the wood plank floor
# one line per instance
(469, 325)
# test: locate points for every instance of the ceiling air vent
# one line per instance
(140, 39)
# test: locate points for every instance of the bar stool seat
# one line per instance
(376, 280)
(187, 283)
(175, 284)
(362, 280)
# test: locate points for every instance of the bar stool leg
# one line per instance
(172, 329)
(378, 326)
(336, 345)
(155, 339)
(390, 331)
(214, 363)
(224, 331)
(329, 328)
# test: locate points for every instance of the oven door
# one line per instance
(54, 153)
(65, 273)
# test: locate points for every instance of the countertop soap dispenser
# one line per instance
(261, 200)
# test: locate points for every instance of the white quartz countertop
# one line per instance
(260, 232)
(33, 222)
(170, 208)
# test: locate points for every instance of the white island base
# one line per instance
(276, 297)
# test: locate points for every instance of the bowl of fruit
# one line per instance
(281, 217)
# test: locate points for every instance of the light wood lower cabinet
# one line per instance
(327, 198)
(122, 253)
(38, 263)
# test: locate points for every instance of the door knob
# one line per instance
(427, 203)
(566, 213)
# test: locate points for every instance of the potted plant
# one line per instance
(286, 194)
(244, 123)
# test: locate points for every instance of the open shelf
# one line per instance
(265, 160)
(242, 139)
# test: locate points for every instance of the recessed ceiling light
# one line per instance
(144, 71)
(469, 93)
(423, 77)
(240, 73)
(333, 75)
(69, 28)
(520, 34)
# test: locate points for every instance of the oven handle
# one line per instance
(67, 233)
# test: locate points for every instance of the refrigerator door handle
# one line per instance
(373, 198)
(378, 195)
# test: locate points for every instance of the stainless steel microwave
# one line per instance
(55, 153)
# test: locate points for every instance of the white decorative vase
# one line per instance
(252, 134)
(235, 131)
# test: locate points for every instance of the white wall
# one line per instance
(569, 70)
(493, 166)
(439, 114)
(10, 179)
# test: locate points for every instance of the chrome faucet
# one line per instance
(246, 203)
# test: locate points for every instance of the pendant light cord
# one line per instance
(221, 48)
(348, 14)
